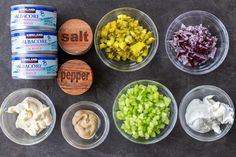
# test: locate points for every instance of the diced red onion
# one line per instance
(194, 45)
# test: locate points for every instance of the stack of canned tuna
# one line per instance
(34, 42)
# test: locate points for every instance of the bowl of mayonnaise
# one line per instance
(27, 116)
(206, 113)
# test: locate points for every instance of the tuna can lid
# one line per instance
(75, 77)
(75, 37)
(33, 5)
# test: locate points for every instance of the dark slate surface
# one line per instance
(108, 82)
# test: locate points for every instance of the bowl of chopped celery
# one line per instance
(145, 112)
(126, 39)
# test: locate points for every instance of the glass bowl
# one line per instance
(164, 132)
(145, 21)
(71, 135)
(7, 120)
(200, 92)
(216, 28)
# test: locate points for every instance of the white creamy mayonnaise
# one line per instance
(33, 116)
(204, 116)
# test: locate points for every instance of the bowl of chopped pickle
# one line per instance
(126, 39)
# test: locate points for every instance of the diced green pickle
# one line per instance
(126, 39)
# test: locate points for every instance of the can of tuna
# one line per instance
(32, 41)
(34, 66)
(30, 16)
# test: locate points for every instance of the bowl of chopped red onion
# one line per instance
(197, 42)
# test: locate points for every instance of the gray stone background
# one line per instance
(108, 83)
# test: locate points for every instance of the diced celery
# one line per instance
(167, 100)
(144, 111)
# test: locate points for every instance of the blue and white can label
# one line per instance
(30, 16)
(34, 66)
(33, 41)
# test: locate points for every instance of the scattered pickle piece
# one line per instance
(124, 39)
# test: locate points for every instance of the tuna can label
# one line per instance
(33, 16)
(33, 41)
(34, 66)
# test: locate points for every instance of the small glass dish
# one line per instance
(216, 28)
(164, 132)
(71, 136)
(200, 92)
(7, 120)
(145, 21)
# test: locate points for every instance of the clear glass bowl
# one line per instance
(7, 120)
(216, 28)
(145, 21)
(200, 92)
(164, 132)
(71, 135)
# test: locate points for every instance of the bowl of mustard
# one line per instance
(85, 125)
